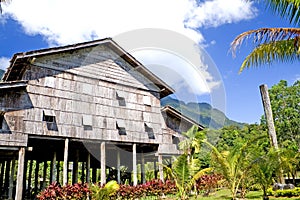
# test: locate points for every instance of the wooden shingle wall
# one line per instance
(90, 92)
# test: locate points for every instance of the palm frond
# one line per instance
(267, 35)
(287, 9)
(282, 51)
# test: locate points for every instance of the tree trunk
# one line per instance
(270, 123)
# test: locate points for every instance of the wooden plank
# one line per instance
(20, 174)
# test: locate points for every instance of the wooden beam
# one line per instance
(103, 164)
(20, 174)
(134, 165)
(65, 169)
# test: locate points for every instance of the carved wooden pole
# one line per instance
(270, 122)
(268, 114)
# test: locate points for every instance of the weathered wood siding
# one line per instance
(86, 87)
(12, 106)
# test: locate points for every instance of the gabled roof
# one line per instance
(20, 60)
(175, 113)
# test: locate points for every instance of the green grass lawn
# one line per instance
(224, 194)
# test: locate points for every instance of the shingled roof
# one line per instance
(19, 61)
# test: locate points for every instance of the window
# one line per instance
(121, 127)
(149, 131)
(120, 96)
(87, 122)
(147, 100)
(49, 118)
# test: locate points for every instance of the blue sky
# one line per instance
(30, 25)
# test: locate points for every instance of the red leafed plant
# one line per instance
(54, 191)
(207, 183)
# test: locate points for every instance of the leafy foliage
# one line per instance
(104, 192)
(273, 44)
(151, 188)
(285, 103)
(55, 192)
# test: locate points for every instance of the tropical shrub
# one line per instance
(151, 188)
(104, 192)
(56, 192)
(208, 182)
(284, 193)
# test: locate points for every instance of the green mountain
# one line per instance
(203, 113)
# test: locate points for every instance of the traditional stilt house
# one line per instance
(82, 113)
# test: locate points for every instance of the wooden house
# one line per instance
(90, 108)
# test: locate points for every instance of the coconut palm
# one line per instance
(273, 44)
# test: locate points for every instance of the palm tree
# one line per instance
(185, 175)
(273, 44)
(234, 165)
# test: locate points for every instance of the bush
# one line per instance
(151, 188)
(208, 182)
(56, 192)
(284, 193)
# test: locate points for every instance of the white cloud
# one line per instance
(4, 63)
(71, 21)
(213, 13)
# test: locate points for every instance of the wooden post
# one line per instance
(20, 174)
(155, 172)
(36, 176)
(30, 174)
(2, 174)
(134, 165)
(11, 179)
(65, 169)
(45, 175)
(82, 171)
(118, 166)
(143, 176)
(53, 168)
(7, 169)
(160, 168)
(58, 171)
(103, 164)
(268, 114)
(88, 167)
(94, 174)
(75, 167)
